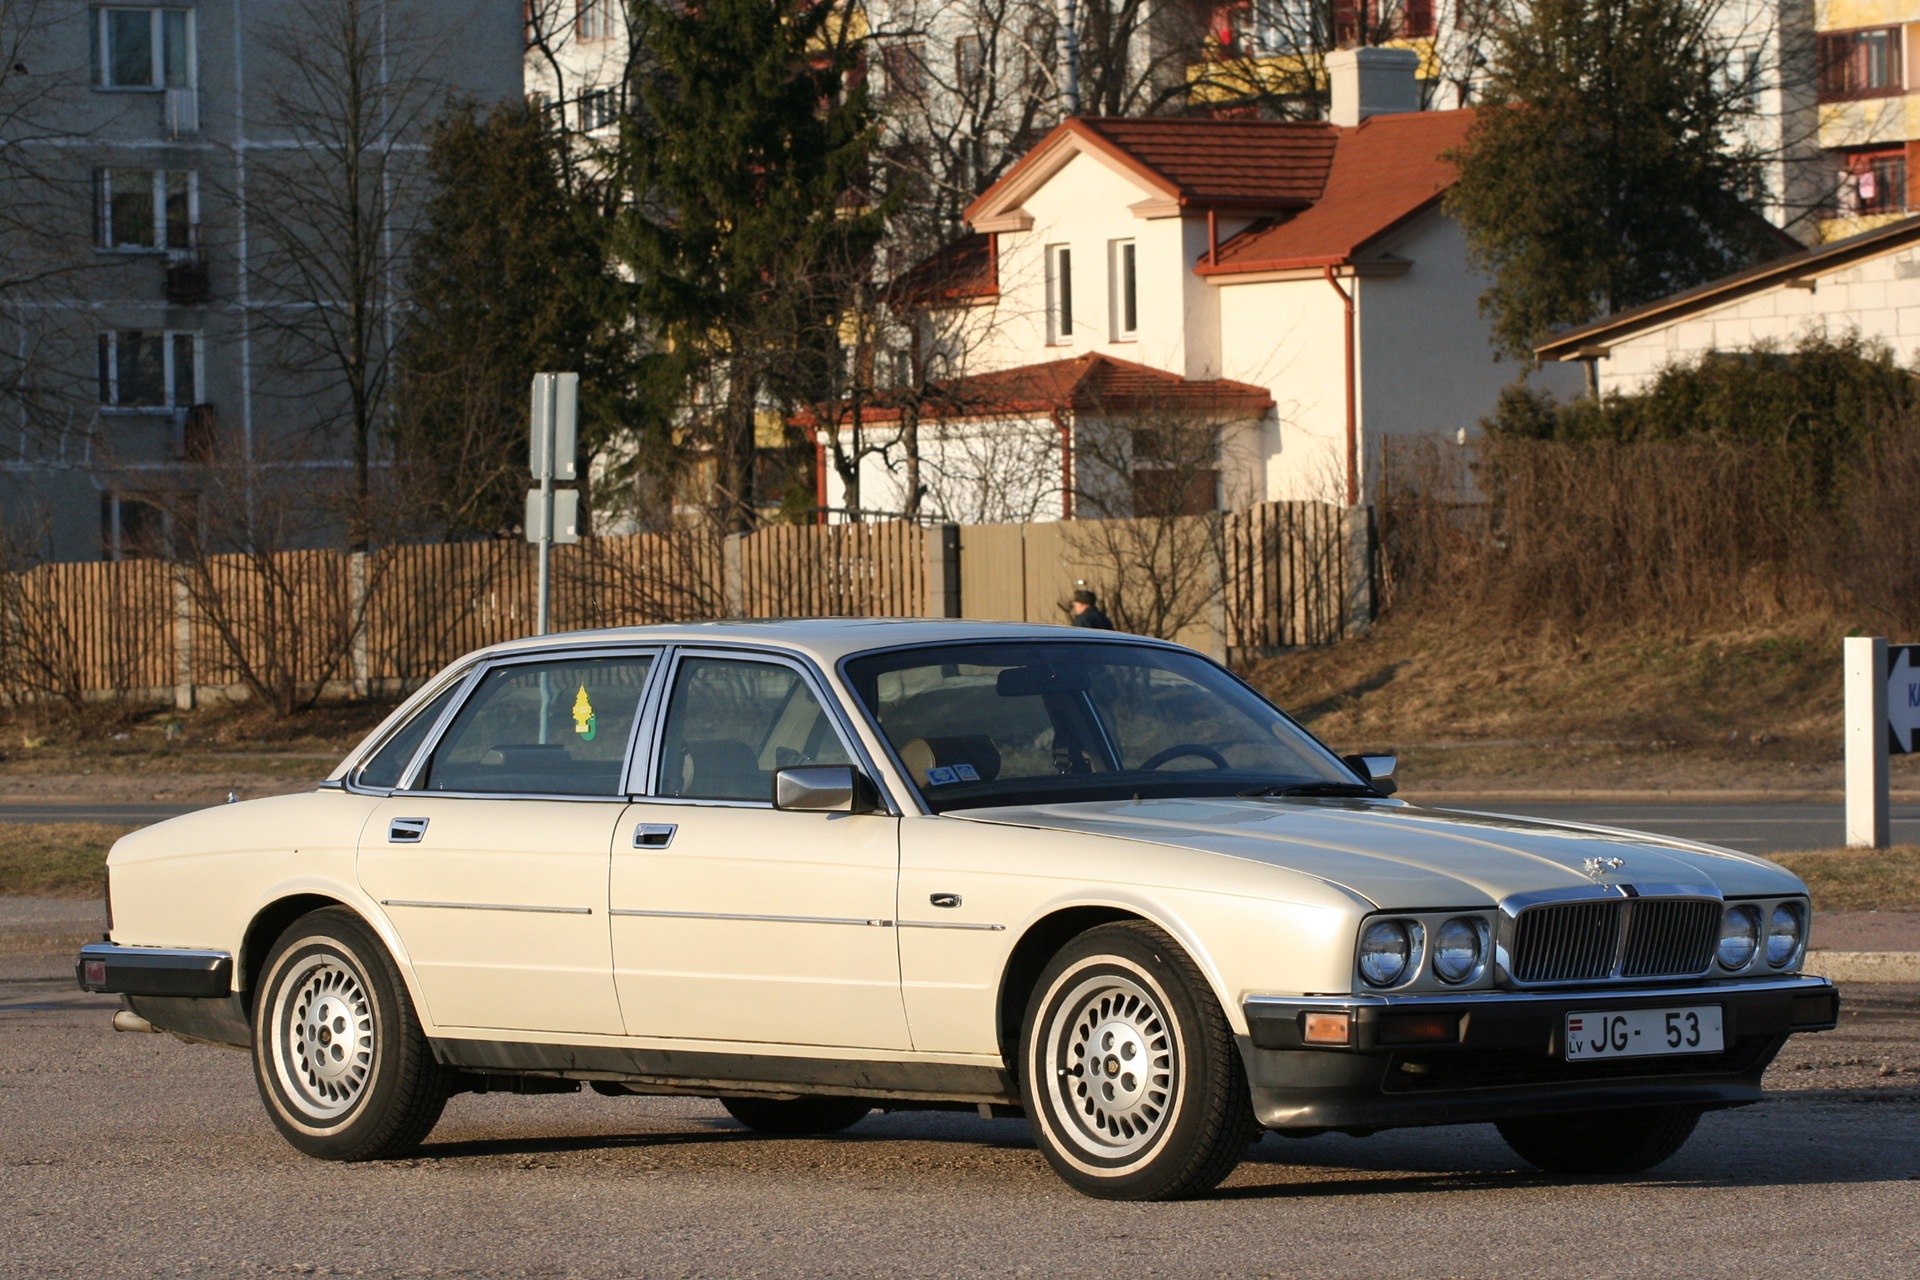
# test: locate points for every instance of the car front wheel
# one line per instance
(1629, 1140)
(1129, 1072)
(338, 1052)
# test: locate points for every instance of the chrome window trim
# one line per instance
(521, 658)
(422, 698)
(811, 676)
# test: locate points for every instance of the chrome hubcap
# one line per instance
(1113, 1056)
(323, 1033)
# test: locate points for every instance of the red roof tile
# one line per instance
(1260, 162)
(967, 268)
(1092, 383)
(1384, 171)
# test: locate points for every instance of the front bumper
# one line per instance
(1475, 1056)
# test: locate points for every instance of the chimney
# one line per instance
(1371, 82)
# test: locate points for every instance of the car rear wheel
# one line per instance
(338, 1052)
(1129, 1072)
(795, 1116)
(1630, 1140)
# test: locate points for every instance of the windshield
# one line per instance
(1053, 721)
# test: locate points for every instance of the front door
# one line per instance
(736, 921)
(492, 864)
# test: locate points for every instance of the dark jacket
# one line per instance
(1093, 616)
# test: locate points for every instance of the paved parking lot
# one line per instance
(136, 1155)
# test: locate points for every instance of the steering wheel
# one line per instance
(1179, 749)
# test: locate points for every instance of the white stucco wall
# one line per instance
(1879, 298)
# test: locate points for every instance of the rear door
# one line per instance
(492, 859)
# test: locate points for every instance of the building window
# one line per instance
(142, 48)
(1860, 64)
(1059, 293)
(149, 369)
(594, 20)
(146, 210)
(133, 527)
(968, 62)
(1873, 183)
(904, 67)
(599, 109)
(1126, 291)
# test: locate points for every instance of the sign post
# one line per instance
(552, 515)
(1883, 718)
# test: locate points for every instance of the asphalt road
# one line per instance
(136, 1155)
(1756, 828)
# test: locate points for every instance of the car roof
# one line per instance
(826, 640)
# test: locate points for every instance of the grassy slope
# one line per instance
(54, 859)
(1758, 709)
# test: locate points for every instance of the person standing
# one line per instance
(1088, 613)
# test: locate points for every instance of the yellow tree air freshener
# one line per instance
(585, 722)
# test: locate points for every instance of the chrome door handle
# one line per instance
(654, 835)
(406, 830)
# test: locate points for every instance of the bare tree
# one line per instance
(330, 194)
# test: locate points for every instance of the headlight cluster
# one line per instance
(1392, 952)
(1743, 935)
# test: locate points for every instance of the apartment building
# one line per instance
(1869, 112)
(150, 293)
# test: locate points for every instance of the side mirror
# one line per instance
(824, 788)
(1377, 770)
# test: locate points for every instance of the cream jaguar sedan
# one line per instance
(820, 867)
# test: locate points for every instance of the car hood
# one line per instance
(1401, 856)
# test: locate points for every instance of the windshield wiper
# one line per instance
(1310, 789)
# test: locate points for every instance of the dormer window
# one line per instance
(1059, 294)
(1125, 287)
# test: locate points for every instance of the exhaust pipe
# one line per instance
(128, 1020)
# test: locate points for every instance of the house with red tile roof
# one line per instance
(1293, 288)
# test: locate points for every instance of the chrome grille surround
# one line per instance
(1606, 932)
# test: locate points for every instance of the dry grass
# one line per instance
(55, 859)
(1860, 879)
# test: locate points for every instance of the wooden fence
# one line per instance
(1275, 576)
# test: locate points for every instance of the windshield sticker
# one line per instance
(940, 776)
(966, 773)
(585, 722)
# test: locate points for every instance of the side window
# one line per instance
(730, 724)
(552, 728)
(390, 761)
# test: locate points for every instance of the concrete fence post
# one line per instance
(734, 570)
(182, 646)
(360, 660)
(1358, 570)
(943, 571)
(1866, 741)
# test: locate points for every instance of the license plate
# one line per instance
(1641, 1033)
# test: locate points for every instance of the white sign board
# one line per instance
(566, 515)
(556, 417)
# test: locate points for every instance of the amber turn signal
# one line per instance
(1327, 1028)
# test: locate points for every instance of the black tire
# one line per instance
(1171, 1127)
(1630, 1140)
(338, 1053)
(791, 1117)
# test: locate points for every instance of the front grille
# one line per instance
(1671, 937)
(1581, 942)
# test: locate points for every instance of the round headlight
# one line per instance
(1783, 934)
(1457, 947)
(1739, 937)
(1386, 948)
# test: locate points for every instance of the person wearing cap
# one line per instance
(1088, 613)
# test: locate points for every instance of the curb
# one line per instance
(1865, 966)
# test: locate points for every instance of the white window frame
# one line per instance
(109, 340)
(1123, 280)
(1060, 317)
(161, 180)
(102, 46)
